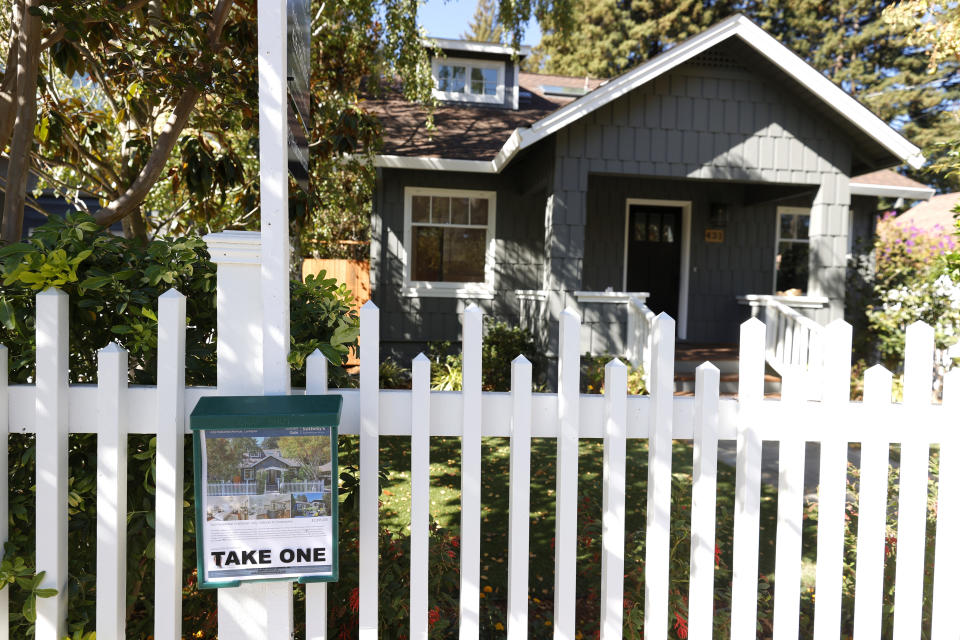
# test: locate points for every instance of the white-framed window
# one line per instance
(465, 80)
(449, 242)
(792, 267)
(249, 474)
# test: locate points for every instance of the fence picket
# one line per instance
(786, 602)
(51, 448)
(518, 553)
(746, 522)
(872, 508)
(614, 499)
(912, 499)
(316, 592)
(946, 565)
(420, 498)
(838, 339)
(703, 508)
(168, 547)
(4, 486)
(659, 482)
(369, 469)
(111, 493)
(568, 412)
(470, 475)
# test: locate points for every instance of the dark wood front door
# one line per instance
(653, 254)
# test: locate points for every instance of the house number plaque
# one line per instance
(265, 484)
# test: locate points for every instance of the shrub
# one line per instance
(501, 345)
(592, 375)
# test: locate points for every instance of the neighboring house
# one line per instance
(934, 216)
(720, 168)
(266, 463)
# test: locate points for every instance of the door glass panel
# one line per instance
(792, 266)
(653, 229)
(667, 230)
(639, 227)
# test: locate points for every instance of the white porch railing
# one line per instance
(640, 320)
(111, 409)
(301, 487)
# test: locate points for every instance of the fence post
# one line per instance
(518, 566)
(946, 564)
(633, 333)
(659, 482)
(369, 469)
(316, 592)
(112, 493)
(706, 422)
(420, 498)
(171, 346)
(614, 499)
(568, 410)
(835, 351)
(4, 485)
(51, 454)
(786, 601)
(872, 506)
(912, 499)
(470, 475)
(746, 522)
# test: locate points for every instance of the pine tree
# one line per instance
(485, 25)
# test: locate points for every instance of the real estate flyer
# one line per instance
(268, 503)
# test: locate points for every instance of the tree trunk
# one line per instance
(8, 88)
(18, 168)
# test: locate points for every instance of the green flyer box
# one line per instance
(265, 486)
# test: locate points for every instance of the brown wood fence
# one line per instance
(353, 273)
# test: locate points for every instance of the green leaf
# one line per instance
(121, 329)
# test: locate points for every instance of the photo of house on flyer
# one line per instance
(267, 503)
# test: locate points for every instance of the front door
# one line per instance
(653, 254)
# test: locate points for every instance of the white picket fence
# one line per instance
(111, 409)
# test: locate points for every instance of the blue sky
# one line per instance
(449, 19)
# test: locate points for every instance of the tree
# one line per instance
(485, 25)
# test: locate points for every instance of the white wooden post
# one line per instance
(518, 554)
(274, 201)
(112, 493)
(420, 498)
(946, 564)
(872, 506)
(168, 548)
(369, 469)
(914, 470)
(316, 592)
(470, 475)
(614, 499)
(835, 383)
(706, 419)
(565, 546)
(656, 621)
(786, 602)
(51, 447)
(4, 485)
(746, 522)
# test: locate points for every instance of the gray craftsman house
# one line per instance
(721, 174)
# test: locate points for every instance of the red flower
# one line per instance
(355, 599)
(680, 625)
(433, 616)
(716, 556)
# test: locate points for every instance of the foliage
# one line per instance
(393, 375)
(485, 25)
(592, 373)
(501, 345)
(321, 318)
(911, 283)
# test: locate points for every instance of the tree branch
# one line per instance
(137, 192)
(57, 34)
(8, 89)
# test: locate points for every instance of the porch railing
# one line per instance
(231, 488)
(640, 321)
(301, 487)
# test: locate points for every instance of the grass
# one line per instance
(445, 510)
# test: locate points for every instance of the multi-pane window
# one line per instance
(450, 235)
(469, 80)
(793, 249)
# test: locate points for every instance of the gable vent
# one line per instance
(716, 60)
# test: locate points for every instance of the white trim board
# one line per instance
(686, 219)
(763, 43)
(891, 191)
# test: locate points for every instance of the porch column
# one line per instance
(565, 220)
(829, 225)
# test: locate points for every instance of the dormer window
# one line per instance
(464, 80)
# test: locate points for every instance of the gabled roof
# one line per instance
(935, 215)
(845, 106)
(889, 184)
